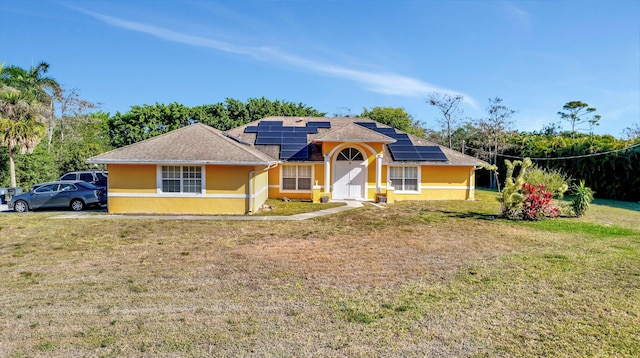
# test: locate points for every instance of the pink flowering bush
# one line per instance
(537, 203)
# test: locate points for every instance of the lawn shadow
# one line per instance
(628, 205)
(470, 215)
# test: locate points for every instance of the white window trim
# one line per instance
(399, 190)
(282, 190)
(159, 191)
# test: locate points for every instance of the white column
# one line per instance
(327, 173)
(378, 173)
(472, 184)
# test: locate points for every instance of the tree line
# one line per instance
(61, 130)
(608, 165)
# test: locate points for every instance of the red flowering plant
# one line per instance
(537, 203)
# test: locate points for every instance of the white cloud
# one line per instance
(518, 15)
(379, 82)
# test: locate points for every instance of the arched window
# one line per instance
(350, 154)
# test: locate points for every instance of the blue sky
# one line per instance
(340, 56)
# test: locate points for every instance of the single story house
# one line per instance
(200, 170)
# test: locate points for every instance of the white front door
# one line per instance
(349, 178)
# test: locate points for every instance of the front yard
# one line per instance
(414, 279)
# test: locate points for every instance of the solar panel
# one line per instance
(434, 157)
(387, 131)
(294, 152)
(404, 152)
(305, 130)
(270, 123)
(294, 140)
(370, 125)
(270, 135)
(251, 129)
(319, 124)
(400, 136)
(268, 141)
(401, 148)
(431, 153)
(406, 156)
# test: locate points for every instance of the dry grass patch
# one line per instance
(415, 279)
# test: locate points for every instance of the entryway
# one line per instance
(349, 175)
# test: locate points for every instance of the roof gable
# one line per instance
(352, 132)
(193, 144)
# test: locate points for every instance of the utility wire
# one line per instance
(559, 158)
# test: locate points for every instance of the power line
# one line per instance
(559, 158)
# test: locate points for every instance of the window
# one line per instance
(404, 178)
(350, 154)
(296, 177)
(46, 188)
(67, 187)
(181, 179)
(88, 177)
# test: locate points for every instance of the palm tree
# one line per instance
(21, 126)
(34, 83)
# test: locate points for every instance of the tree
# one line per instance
(394, 117)
(449, 106)
(261, 107)
(21, 126)
(33, 82)
(632, 132)
(494, 129)
(26, 102)
(609, 164)
(143, 122)
(577, 113)
(72, 108)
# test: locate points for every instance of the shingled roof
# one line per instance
(194, 144)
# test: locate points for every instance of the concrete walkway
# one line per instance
(350, 205)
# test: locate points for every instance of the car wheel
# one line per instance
(21, 206)
(77, 205)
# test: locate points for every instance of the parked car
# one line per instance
(76, 195)
(96, 177)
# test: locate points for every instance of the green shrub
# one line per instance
(554, 181)
(582, 198)
(511, 198)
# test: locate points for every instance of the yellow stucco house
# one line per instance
(199, 170)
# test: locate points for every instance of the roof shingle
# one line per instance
(194, 144)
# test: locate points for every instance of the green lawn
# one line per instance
(414, 279)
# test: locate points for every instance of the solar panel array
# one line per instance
(404, 149)
(291, 139)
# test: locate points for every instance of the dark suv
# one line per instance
(95, 177)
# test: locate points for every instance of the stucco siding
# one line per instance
(442, 183)
(162, 205)
(448, 182)
(133, 189)
(222, 179)
(129, 178)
